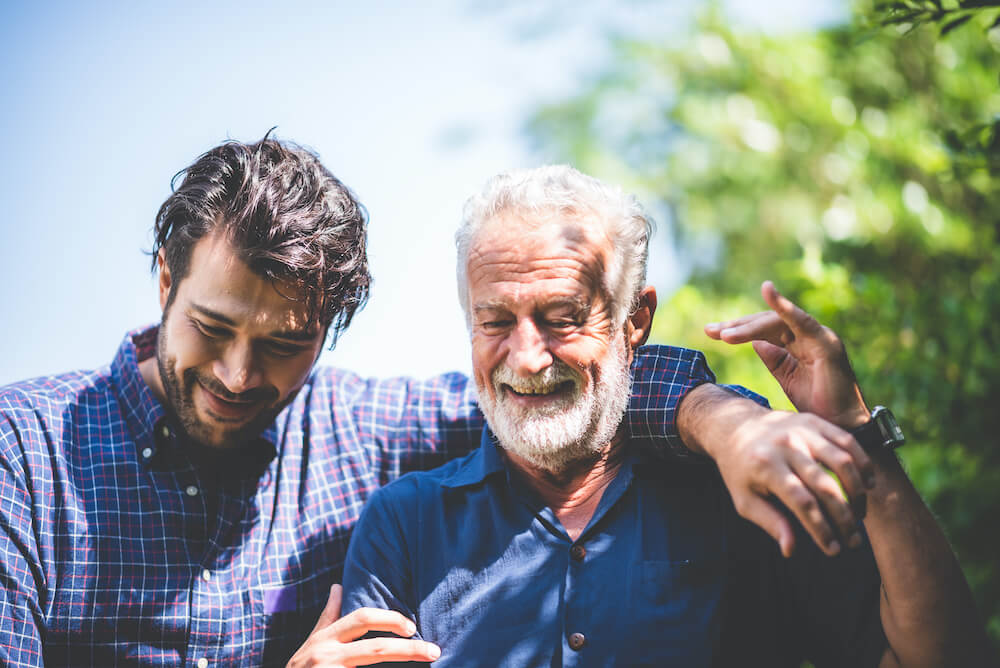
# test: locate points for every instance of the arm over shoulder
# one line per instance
(406, 424)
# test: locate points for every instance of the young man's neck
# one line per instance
(574, 493)
(150, 372)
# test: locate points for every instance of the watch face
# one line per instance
(892, 435)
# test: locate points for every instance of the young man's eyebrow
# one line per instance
(214, 315)
(296, 335)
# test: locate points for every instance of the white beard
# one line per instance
(574, 429)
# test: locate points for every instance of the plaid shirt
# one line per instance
(119, 546)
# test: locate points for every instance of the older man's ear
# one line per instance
(638, 325)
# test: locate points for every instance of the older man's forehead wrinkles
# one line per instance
(514, 264)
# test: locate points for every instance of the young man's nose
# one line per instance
(237, 370)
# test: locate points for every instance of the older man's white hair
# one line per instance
(539, 193)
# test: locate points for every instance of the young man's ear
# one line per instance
(164, 277)
(639, 324)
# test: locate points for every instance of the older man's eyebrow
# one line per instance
(575, 303)
(490, 305)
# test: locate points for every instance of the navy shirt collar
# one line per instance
(487, 460)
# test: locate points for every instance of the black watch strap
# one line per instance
(882, 432)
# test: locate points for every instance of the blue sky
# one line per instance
(413, 106)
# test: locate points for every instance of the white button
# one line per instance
(147, 453)
(202, 662)
(206, 575)
(165, 430)
(192, 490)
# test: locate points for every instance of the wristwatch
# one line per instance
(882, 432)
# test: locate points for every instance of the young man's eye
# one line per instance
(284, 350)
(209, 331)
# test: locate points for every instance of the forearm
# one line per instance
(709, 415)
(927, 610)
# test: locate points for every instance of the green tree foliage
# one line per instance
(839, 164)
(948, 14)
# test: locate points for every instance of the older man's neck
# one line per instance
(574, 493)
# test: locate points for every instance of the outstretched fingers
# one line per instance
(798, 321)
(765, 325)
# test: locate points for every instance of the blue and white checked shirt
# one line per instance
(118, 548)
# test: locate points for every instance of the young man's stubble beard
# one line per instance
(179, 393)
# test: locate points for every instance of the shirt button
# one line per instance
(202, 662)
(147, 453)
(576, 641)
(192, 490)
(165, 430)
(206, 575)
(578, 552)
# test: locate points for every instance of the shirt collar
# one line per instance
(141, 409)
(484, 461)
(151, 429)
(487, 460)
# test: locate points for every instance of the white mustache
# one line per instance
(543, 382)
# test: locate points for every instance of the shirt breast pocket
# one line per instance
(676, 611)
(288, 612)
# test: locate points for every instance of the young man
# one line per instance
(191, 503)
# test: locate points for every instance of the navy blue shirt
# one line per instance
(665, 574)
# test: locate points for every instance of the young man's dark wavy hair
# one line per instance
(283, 212)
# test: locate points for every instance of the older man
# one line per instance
(558, 542)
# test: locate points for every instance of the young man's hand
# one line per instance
(334, 642)
(807, 359)
(765, 455)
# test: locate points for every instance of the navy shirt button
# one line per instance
(576, 641)
(578, 552)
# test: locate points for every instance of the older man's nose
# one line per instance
(528, 352)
